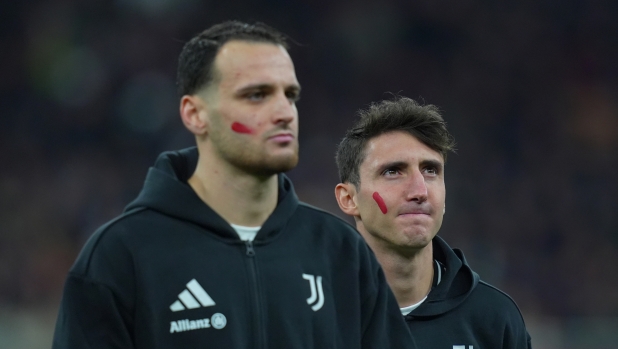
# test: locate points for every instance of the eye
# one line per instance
(293, 95)
(431, 170)
(256, 96)
(390, 172)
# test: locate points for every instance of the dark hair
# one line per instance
(400, 114)
(195, 64)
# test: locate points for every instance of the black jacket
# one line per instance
(464, 312)
(171, 273)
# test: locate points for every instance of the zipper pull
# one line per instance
(250, 250)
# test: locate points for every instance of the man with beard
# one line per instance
(217, 251)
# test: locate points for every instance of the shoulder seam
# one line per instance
(313, 208)
(104, 229)
(94, 282)
(481, 282)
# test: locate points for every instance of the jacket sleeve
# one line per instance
(97, 305)
(90, 317)
(383, 326)
(516, 336)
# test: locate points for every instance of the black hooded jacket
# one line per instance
(463, 312)
(171, 273)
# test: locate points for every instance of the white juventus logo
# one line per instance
(462, 347)
(316, 292)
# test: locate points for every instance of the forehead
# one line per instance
(397, 146)
(239, 62)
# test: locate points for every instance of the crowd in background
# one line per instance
(528, 88)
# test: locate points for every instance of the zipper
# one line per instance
(250, 250)
(255, 291)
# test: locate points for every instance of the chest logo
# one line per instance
(217, 321)
(194, 296)
(317, 294)
(462, 347)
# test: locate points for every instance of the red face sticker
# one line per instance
(241, 128)
(380, 202)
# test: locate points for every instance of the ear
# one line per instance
(345, 194)
(194, 114)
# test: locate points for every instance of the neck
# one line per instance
(409, 275)
(239, 197)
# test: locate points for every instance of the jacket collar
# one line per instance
(458, 281)
(166, 190)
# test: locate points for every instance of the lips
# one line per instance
(415, 211)
(282, 137)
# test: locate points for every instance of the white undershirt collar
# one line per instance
(246, 233)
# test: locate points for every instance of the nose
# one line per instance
(417, 188)
(284, 110)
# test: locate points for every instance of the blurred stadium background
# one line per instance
(529, 89)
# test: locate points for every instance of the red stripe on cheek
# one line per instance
(380, 202)
(241, 128)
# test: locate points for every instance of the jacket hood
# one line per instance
(166, 191)
(457, 283)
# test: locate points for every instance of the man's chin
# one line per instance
(275, 166)
(418, 241)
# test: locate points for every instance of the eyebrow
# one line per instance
(295, 88)
(266, 87)
(403, 165)
(255, 87)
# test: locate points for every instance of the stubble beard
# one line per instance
(266, 166)
(255, 160)
(248, 157)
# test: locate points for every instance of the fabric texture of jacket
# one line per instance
(171, 273)
(463, 312)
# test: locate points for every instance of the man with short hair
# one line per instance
(391, 167)
(217, 251)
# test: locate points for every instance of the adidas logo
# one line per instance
(189, 298)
